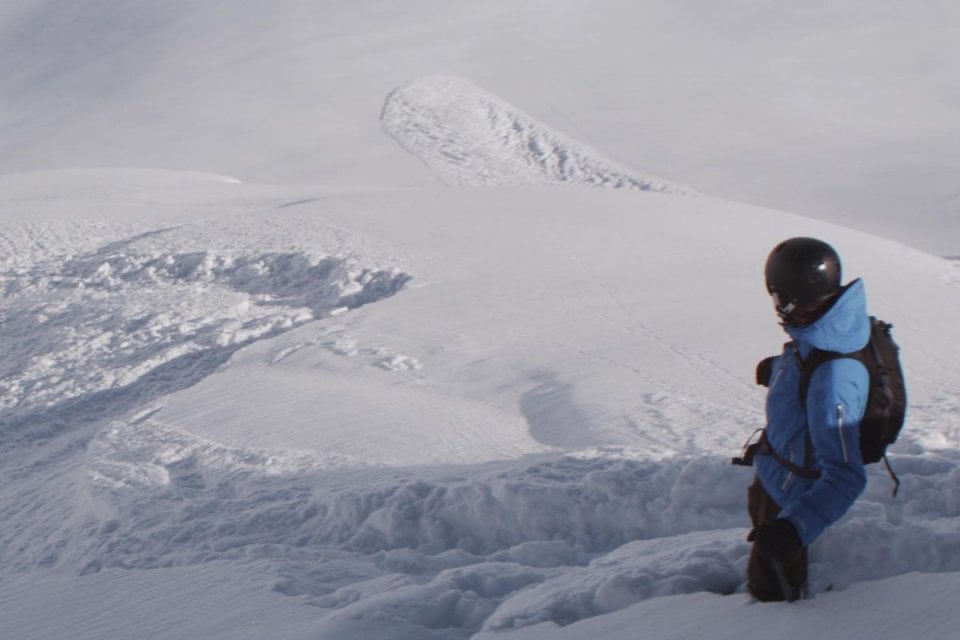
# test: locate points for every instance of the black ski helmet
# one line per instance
(801, 272)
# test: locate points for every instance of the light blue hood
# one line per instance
(844, 328)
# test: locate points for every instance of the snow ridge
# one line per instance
(555, 541)
(218, 498)
(470, 137)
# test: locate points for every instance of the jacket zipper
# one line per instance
(789, 478)
(843, 441)
(776, 378)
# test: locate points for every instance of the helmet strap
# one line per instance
(784, 309)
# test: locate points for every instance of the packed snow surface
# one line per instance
(442, 387)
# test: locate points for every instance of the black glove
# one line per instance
(777, 540)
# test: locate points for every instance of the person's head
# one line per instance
(803, 277)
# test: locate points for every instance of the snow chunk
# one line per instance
(703, 561)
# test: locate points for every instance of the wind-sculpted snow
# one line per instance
(587, 506)
(470, 137)
(557, 540)
(90, 336)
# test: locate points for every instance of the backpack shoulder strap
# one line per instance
(807, 366)
(813, 360)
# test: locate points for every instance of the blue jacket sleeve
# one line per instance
(836, 401)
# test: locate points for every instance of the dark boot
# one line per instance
(762, 579)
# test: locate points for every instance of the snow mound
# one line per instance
(687, 538)
(217, 502)
(595, 534)
(470, 137)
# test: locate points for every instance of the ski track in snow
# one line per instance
(470, 137)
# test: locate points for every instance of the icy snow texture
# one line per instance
(102, 322)
(469, 137)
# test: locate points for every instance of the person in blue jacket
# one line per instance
(812, 471)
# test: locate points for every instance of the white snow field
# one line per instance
(347, 345)
(838, 110)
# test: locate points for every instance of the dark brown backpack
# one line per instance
(886, 408)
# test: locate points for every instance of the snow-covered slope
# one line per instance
(443, 388)
(416, 413)
(843, 111)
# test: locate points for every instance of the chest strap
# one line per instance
(762, 448)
